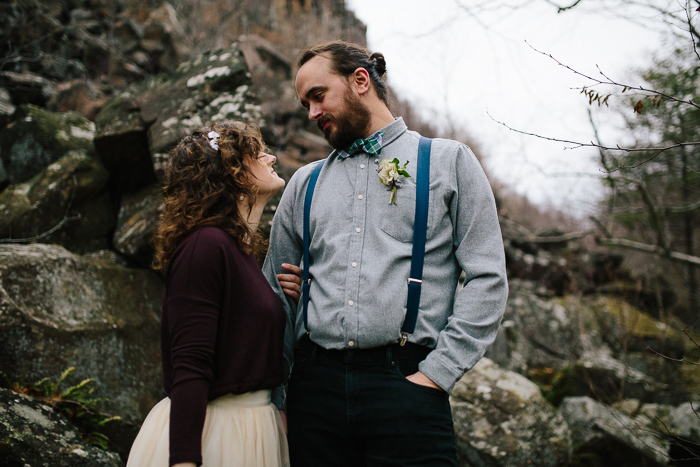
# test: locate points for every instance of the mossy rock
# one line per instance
(32, 433)
(69, 194)
(624, 326)
(137, 222)
(152, 117)
(59, 309)
(39, 137)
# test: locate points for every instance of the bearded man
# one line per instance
(356, 395)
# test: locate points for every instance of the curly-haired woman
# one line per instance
(222, 325)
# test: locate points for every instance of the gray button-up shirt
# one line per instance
(361, 256)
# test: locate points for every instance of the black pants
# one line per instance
(356, 408)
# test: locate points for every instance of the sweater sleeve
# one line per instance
(478, 247)
(194, 300)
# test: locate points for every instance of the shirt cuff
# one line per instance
(441, 373)
(278, 396)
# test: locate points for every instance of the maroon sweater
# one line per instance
(222, 331)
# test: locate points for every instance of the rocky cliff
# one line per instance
(93, 95)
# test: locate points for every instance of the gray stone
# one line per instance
(138, 220)
(27, 88)
(6, 107)
(536, 332)
(122, 143)
(58, 309)
(66, 203)
(606, 433)
(33, 434)
(592, 346)
(501, 419)
(152, 117)
(39, 137)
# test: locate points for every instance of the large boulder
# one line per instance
(501, 419)
(32, 433)
(39, 137)
(27, 87)
(138, 220)
(81, 95)
(536, 332)
(58, 309)
(588, 346)
(609, 437)
(679, 424)
(67, 203)
(606, 379)
(150, 118)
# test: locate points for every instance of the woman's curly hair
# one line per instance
(203, 186)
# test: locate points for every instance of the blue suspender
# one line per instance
(306, 282)
(420, 228)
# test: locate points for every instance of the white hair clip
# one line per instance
(214, 140)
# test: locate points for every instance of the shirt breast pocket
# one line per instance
(398, 220)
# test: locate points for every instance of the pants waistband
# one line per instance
(409, 351)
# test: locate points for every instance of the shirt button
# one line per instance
(362, 166)
(359, 196)
(351, 303)
(351, 344)
(358, 230)
(354, 264)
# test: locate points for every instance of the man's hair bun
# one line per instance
(379, 64)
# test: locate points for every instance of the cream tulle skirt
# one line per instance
(239, 431)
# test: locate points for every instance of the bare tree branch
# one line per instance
(563, 8)
(612, 82)
(665, 209)
(679, 360)
(64, 221)
(691, 29)
(578, 144)
(653, 249)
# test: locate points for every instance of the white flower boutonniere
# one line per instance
(389, 173)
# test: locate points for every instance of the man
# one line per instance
(355, 395)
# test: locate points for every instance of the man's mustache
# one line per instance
(323, 120)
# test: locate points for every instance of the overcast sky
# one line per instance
(461, 67)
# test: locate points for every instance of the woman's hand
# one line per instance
(284, 420)
(291, 283)
(185, 464)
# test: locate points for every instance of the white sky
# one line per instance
(456, 66)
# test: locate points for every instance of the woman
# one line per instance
(222, 325)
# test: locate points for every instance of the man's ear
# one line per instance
(360, 78)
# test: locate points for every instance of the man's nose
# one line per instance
(314, 112)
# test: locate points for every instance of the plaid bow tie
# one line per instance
(371, 145)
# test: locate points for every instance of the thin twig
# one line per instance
(690, 28)
(612, 82)
(578, 144)
(53, 229)
(680, 360)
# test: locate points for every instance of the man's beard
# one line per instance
(351, 123)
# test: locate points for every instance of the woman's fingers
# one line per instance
(291, 283)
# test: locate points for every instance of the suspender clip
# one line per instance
(404, 338)
(415, 281)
